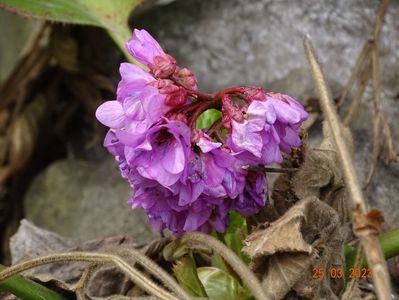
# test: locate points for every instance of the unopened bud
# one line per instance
(175, 95)
(186, 78)
(163, 66)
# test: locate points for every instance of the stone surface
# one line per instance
(86, 200)
(259, 42)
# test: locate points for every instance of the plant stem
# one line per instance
(27, 289)
(120, 38)
(389, 244)
(365, 226)
(135, 275)
(156, 271)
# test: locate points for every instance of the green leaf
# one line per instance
(110, 14)
(220, 285)
(103, 13)
(207, 118)
(27, 289)
(236, 221)
(236, 234)
(186, 274)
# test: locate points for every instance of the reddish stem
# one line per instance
(200, 96)
(215, 126)
(231, 91)
(203, 107)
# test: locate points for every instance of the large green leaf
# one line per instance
(104, 13)
(220, 285)
(110, 14)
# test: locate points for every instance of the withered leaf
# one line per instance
(283, 255)
(321, 175)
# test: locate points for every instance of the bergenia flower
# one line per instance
(269, 125)
(162, 154)
(165, 211)
(185, 178)
(254, 196)
(144, 48)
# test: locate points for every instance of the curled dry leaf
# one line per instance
(284, 254)
(363, 225)
(322, 177)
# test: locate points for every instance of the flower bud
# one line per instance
(175, 95)
(163, 66)
(185, 78)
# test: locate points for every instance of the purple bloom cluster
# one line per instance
(185, 178)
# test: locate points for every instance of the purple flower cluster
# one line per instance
(185, 178)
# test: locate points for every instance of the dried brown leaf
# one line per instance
(364, 225)
(322, 177)
(284, 254)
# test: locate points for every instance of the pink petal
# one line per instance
(173, 159)
(207, 145)
(111, 114)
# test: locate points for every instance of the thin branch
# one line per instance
(379, 20)
(137, 277)
(273, 170)
(367, 234)
(193, 239)
(358, 66)
(80, 286)
(369, 56)
(376, 111)
(156, 271)
(364, 79)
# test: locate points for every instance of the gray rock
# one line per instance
(256, 42)
(259, 42)
(85, 200)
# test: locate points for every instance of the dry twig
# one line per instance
(365, 225)
(367, 65)
(99, 258)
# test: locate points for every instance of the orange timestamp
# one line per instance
(339, 273)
